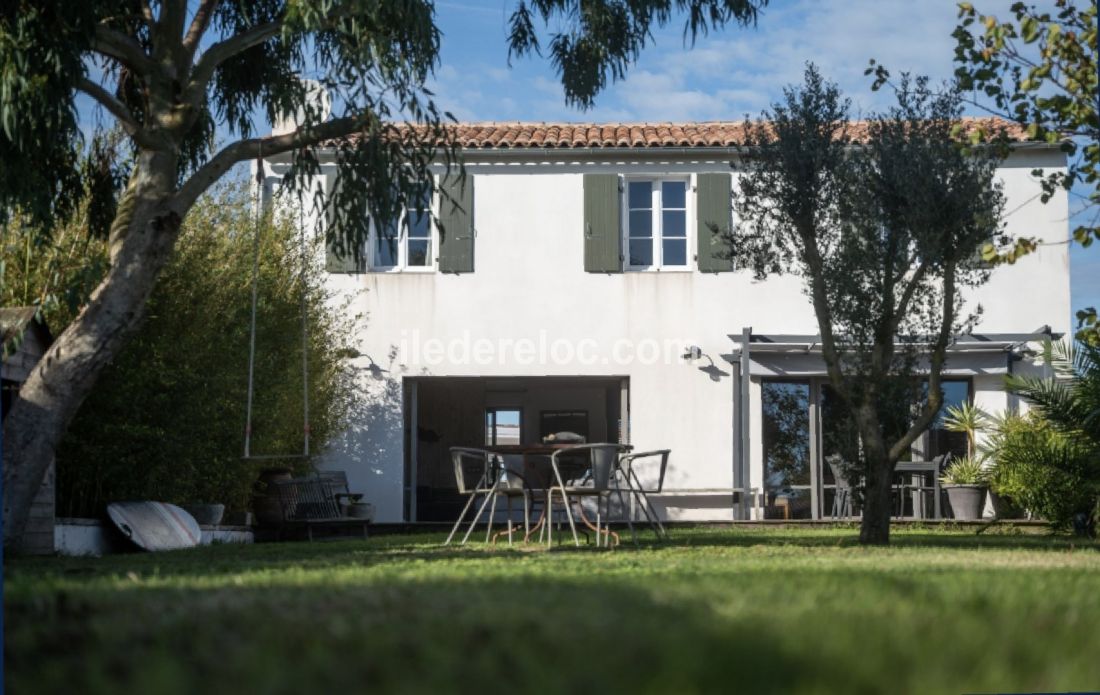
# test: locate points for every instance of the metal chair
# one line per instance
(481, 472)
(638, 492)
(593, 478)
(842, 496)
(925, 489)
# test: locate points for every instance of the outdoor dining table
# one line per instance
(923, 468)
(539, 454)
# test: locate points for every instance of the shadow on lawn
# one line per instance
(473, 635)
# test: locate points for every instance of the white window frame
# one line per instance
(402, 265)
(658, 264)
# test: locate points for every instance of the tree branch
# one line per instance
(935, 368)
(223, 51)
(199, 24)
(244, 150)
(124, 49)
(118, 110)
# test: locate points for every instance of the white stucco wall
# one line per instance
(529, 283)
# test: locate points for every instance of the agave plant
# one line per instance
(968, 470)
(969, 419)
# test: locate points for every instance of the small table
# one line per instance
(923, 468)
(545, 449)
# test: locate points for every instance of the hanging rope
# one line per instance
(255, 289)
(305, 328)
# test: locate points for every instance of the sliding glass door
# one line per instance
(787, 461)
(807, 430)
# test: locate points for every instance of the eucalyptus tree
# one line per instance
(187, 82)
(883, 220)
(1039, 68)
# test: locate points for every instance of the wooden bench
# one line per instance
(315, 501)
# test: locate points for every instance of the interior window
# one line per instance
(503, 426)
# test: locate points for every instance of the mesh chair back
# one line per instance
(601, 462)
(473, 468)
(838, 476)
(626, 463)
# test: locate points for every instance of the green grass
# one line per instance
(715, 610)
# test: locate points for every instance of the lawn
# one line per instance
(715, 610)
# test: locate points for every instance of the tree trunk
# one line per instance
(874, 527)
(65, 375)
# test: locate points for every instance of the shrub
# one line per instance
(1043, 469)
(166, 419)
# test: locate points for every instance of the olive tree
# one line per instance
(883, 220)
(185, 81)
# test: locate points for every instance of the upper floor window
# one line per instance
(656, 224)
(405, 243)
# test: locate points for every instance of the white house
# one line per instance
(578, 274)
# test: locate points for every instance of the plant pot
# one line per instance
(1005, 507)
(358, 510)
(265, 502)
(966, 501)
(237, 519)
(205, 514)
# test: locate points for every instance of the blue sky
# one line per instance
(726, 75)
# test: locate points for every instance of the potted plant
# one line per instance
(965, 482)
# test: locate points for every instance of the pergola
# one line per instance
(799, 356)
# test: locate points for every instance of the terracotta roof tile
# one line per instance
(641, 135)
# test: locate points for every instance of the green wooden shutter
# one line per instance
(335, 262)
(713, 208)
(603, 240)
(456, 220)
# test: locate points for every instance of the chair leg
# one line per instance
(458, 522)
(569, 515)
(480, 511)
(550, 519)
(629, 521)
(492, 515)
(526, 516)
(597, 521)
(509, 504)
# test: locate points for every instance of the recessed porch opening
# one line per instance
(442, 412)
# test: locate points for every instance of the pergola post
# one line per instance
(741, 478)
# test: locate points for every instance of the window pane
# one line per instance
(641, 194)
(673, 223)
(423, 201)
(419, 224)
(675, 252)
(502, 426)
(418, 252)
(641, 252)
(641, 223)
(940, 439)
(673, 194)
(385, 253)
